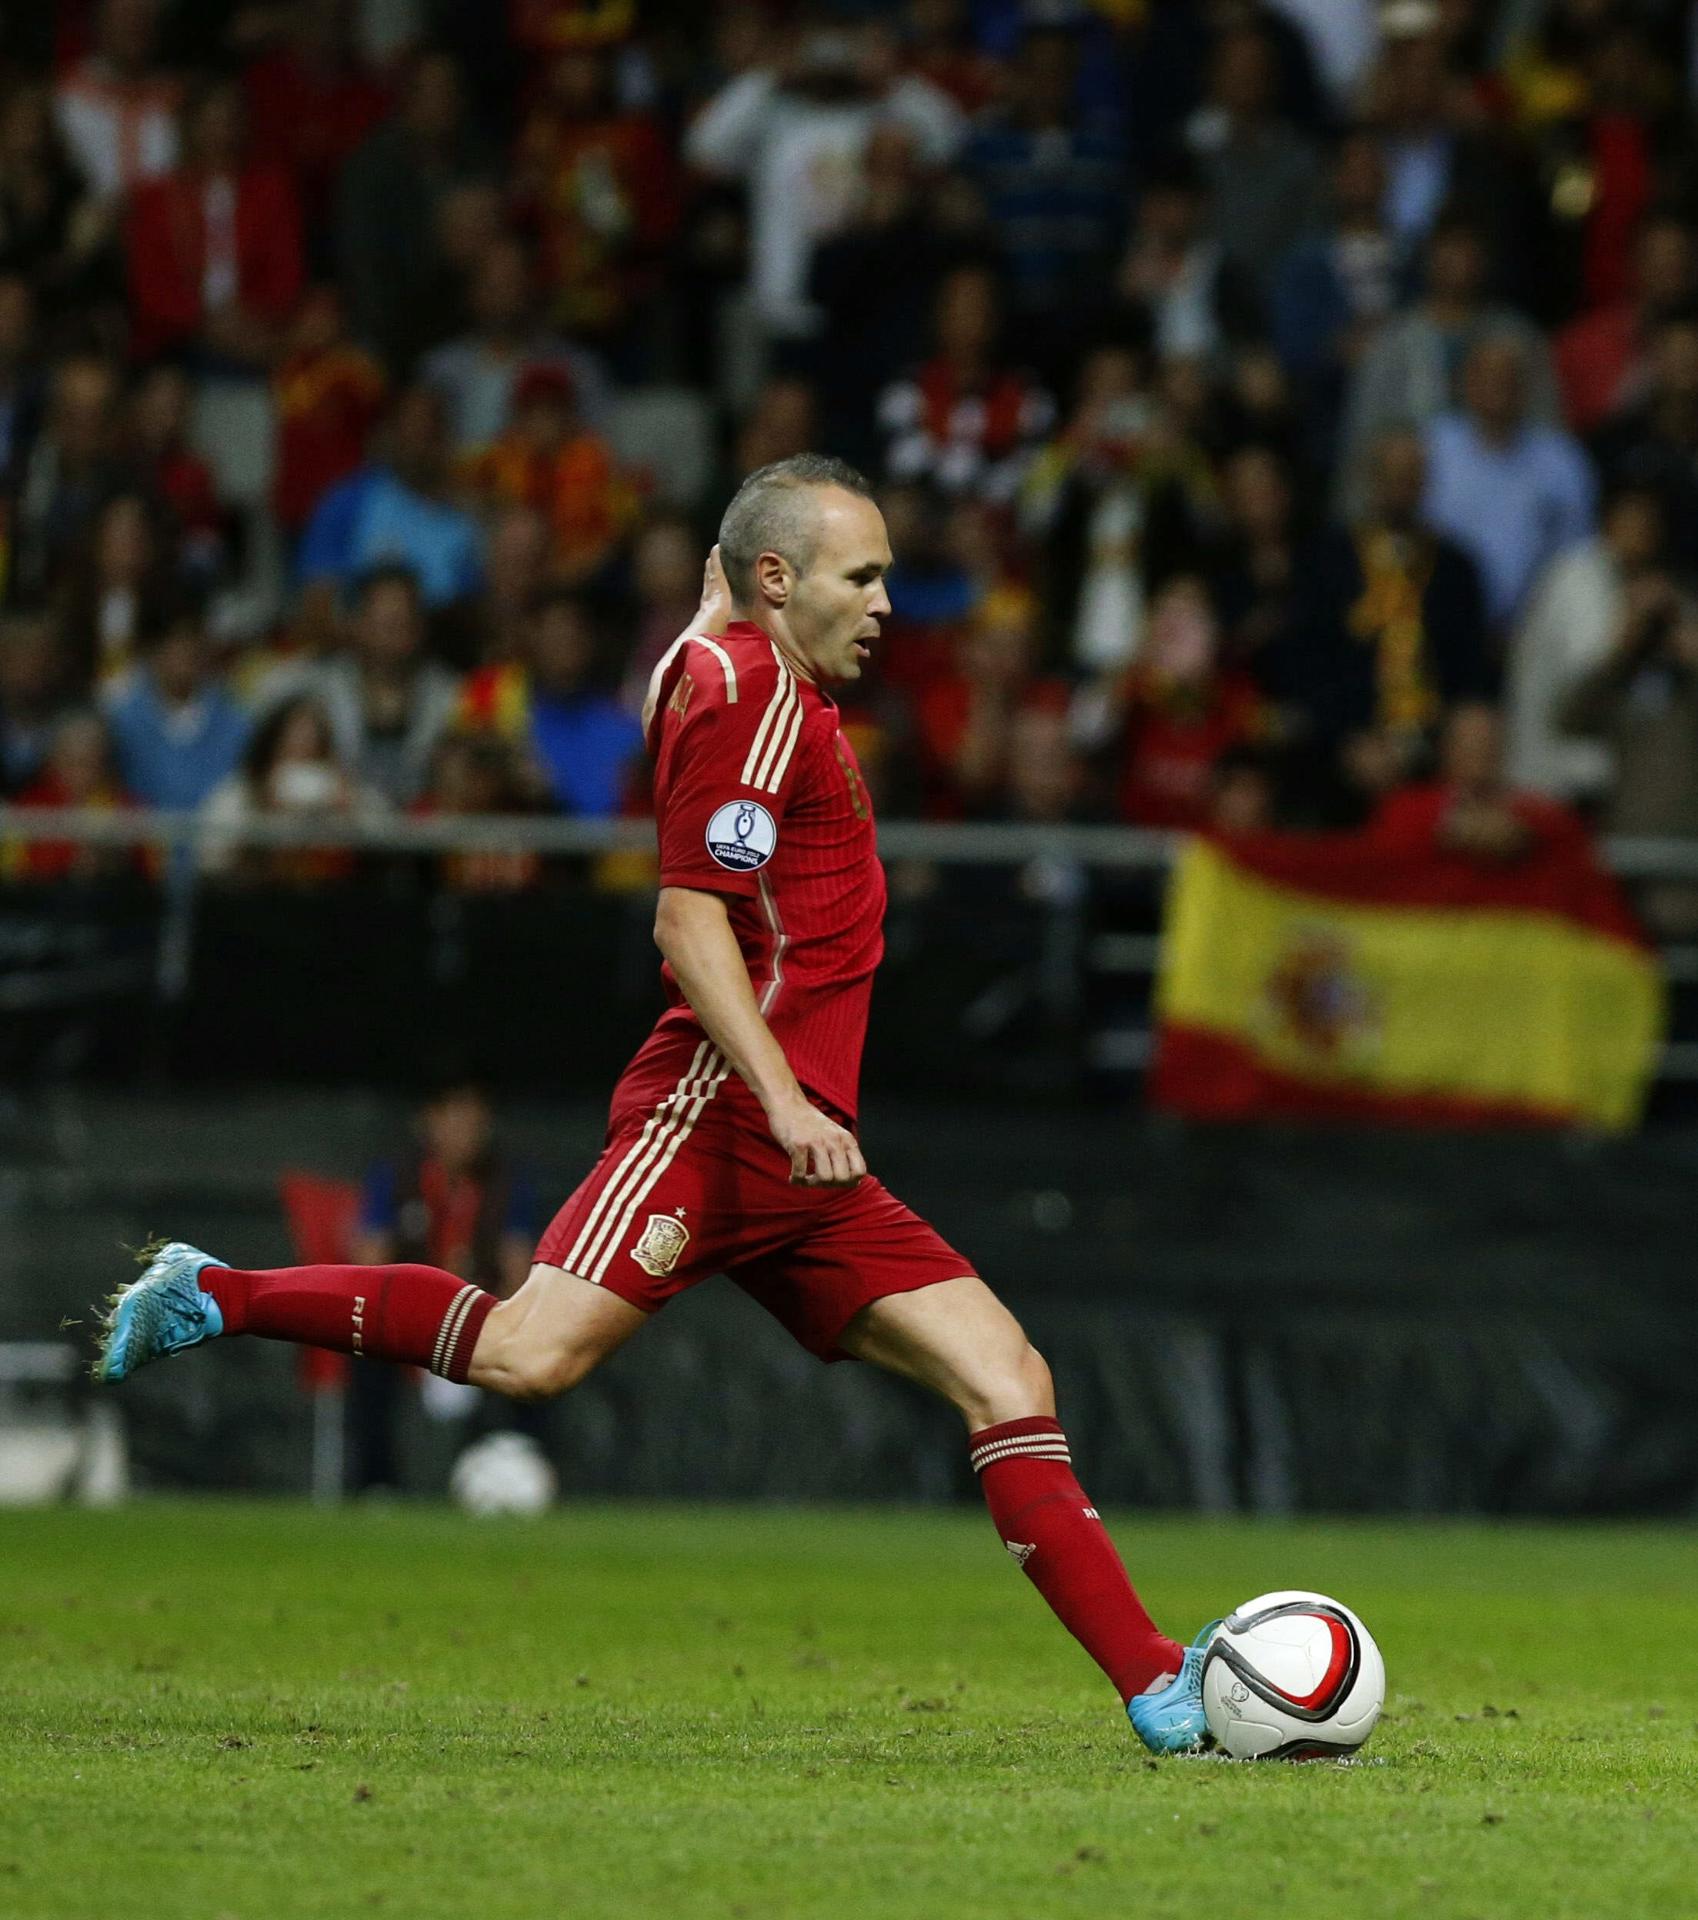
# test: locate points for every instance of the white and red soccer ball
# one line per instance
(1292, 1676)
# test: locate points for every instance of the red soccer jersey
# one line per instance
(758, 797)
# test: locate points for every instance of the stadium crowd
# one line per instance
(1271, 405)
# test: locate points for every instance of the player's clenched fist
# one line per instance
(822, 1154)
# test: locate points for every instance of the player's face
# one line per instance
(835, 607)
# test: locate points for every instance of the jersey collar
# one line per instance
(747, 630)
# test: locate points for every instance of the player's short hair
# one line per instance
(771, 513)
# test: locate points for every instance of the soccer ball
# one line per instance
(1292, 1676)
(503, 1473)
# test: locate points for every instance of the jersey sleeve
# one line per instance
(726, 770)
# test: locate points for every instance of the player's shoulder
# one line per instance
(737, 668)
(743, 672)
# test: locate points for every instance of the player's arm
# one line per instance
(693, 930)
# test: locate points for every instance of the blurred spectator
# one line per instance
(967, 421)
(1172, 713)
(1443, 152)
(782, 421)
(72, 464)
(1512, 494)
(1389, 632)
(1412, 372)
(1113, 498)
(477, 774)
(1174, 272)
(1602, 147)
(874, 283)
(78, 772)
(1262, 174)
(32, 696)
(929, 583)
(580, 740)
(290, 769)
(1470, 809)
(1602, 357)
(1045, 787)
(794, 125)
(938, 45)
(454, 1199)
(1641, 704)
(1570, 626)
(1342, 38)
(1253, 568)
(666, 571)
(328, 395)
(397, 510)
(1333, 290)
(1655, 443)
(156, 443)
(176, 731)
(515, 570)
(51, 226)
(964, 716)
(122, 585)
(214, 247)
(117, 109)
(1055, 187)
(478, 373)
(550, 460)
(311, 102)
(386, 703)
(389, 198)
(598, 185)
(20, 377)
(1243, 792)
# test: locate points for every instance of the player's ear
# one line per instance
(773, 579)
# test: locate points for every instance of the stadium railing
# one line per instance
(180, 836)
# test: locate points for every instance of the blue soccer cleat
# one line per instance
(1171, 1720)
(162, 1312)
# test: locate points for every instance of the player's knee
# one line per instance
(1013, 1384)
(543, 1373)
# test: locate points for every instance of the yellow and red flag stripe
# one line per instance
(1341, 977)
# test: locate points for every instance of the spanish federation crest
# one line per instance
(663, 1240)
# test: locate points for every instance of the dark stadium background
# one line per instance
(527, 287)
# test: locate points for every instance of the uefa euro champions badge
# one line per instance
(664, 1238)
(742, 835)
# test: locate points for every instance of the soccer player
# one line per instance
(731, 1145)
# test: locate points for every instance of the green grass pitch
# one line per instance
(253, 1711)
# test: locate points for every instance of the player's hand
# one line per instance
(822, 1154)
(714, 613)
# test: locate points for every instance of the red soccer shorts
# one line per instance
(695, 1186)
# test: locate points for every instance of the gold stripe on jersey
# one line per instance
(662, 1113)
(771, 776)
(782, 694)
(657, 1129)
(708, 1087)
(724, 660)
(780, 941)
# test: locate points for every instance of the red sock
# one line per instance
(1052, 1529)
(419, 1314)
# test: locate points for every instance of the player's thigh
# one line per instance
(553, 1331)
(957, 1338)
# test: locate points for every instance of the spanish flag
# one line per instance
(1384, 978)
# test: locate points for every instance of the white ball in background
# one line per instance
(503, 1473)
